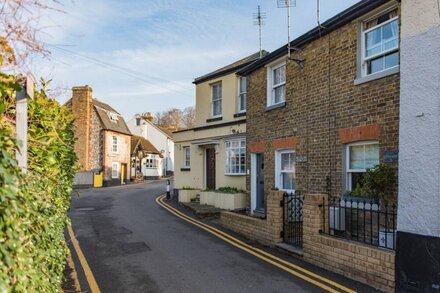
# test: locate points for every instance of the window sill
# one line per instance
(377, 75)
(185, 169)
(241, 114)
(232, 174)
(276, 106)
(214, 119)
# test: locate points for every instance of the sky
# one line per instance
(142, 55)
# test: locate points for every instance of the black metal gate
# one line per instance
(293, 219)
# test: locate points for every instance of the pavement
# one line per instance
(132, 244)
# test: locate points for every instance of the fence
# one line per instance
(362, 220)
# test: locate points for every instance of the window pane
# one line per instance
(373, 42)
(392, 60)
(279, 94)
(242, 102)
(371, 155)
(217, 108)
(355, 179)
(375, 65)
(357, 157)
(288, 181)
(287, 162)
(242, 84)
(390, 35)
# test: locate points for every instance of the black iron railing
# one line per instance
(362, 220)
(293, 219)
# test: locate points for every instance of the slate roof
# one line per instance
(233, 67)
(103, 109)
(145, 145)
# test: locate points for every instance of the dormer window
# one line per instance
(113, 117)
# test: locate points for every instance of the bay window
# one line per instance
(235, 157)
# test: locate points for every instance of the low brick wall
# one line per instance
(364, 263)
(266, 231)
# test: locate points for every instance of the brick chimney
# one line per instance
(82, 108)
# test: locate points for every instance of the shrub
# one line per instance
(34, 205)
(229, 190)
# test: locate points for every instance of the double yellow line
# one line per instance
(291, 268)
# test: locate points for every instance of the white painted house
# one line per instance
(418, 222)
(159, 137)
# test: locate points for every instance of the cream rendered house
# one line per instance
(212, 155)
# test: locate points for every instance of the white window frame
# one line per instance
(228, 158)
(279, 172)
(186, 157)
(115, 144)
(242, 108)
(115, 167)
(217, 100)
(271, 87)
(348, 171)
(364, 32)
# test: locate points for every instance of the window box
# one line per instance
(185, 169)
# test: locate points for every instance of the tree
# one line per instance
(20, 28)
(189, 117)
(176, 118)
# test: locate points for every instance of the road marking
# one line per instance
(261, 254)
(87, 271)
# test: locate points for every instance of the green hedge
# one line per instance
(34, 205)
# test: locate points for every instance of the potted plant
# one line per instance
(379, 182)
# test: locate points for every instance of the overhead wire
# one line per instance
(137, 75)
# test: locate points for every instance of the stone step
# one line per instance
(202, 211)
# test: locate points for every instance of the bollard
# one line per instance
(168, 189)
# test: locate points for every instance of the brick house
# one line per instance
(103, 138)
(316, 121)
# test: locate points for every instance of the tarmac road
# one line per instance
(133, 245)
